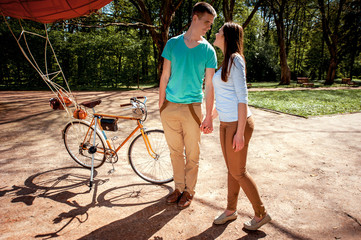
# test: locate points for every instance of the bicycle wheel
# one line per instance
(153, 167)
(78, 138)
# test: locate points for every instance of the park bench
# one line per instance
(303, 81)
(347, 81)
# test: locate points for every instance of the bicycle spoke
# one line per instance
(157, 169)
(78, 138)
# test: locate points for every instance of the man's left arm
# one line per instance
(207, 124)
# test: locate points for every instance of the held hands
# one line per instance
(207, 125)
(238, 142)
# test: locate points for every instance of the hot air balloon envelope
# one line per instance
(49, 11)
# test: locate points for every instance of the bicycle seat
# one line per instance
(91, 104)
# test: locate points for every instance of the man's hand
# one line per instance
(164, 81)
(161, 101)
(207, 125)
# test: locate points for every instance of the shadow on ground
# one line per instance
(63, 185)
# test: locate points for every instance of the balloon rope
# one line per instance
(57, 90)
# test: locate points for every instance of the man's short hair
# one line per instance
(202, 7)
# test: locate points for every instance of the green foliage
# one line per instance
(262, 61)
(316, 59)
(97, 59)
(119, 56)
(15, 71)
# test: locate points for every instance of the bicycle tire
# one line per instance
(157, 169)
(73, 135)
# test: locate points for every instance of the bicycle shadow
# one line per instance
(64, 184)
(128, 196)
(50, 186)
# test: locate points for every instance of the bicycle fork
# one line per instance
(148, 146)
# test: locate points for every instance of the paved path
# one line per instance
(307, 171)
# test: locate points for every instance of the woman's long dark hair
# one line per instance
(233, 44)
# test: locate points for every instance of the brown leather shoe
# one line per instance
(185, 200)
(174, 196)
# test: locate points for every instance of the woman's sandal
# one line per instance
(223, 218)
(254, 225)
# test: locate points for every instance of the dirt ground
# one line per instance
(307, 171)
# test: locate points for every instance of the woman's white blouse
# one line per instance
(229, 94)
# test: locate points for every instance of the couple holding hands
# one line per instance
(188, 59)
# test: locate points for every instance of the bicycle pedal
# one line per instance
(111, 171)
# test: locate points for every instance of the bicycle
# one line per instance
(148, 153)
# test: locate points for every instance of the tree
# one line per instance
(228, 7)
(255, 9)
(331, 34)
(278, 10)
(122, 44)
(351, 37)
(159, 30)
(154, 16)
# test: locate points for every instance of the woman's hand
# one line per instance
(238, 142)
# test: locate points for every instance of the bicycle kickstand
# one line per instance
(112, 170)
(94, 149)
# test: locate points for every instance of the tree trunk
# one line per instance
(353, 54)
(285, 70)
(161, 44)
(320, 76)
(331, 73)
(119, 70)
(166, 15)
(228, 10)
(156, 61)
(331, 39)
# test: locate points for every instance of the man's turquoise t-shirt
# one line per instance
(188, 66)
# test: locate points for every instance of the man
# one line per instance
(188, 58)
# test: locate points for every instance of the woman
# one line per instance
(236, 125)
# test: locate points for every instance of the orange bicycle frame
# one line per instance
(98, 116)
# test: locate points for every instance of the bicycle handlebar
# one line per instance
(134, 99)
(137, 105)
(124, 105)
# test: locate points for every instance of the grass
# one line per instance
(307, 102)
(293, 84)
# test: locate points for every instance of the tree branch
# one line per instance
(103, 25)
(337, 21)
(255, 9)
(144, 10)
(177, 5)
(325, 25)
